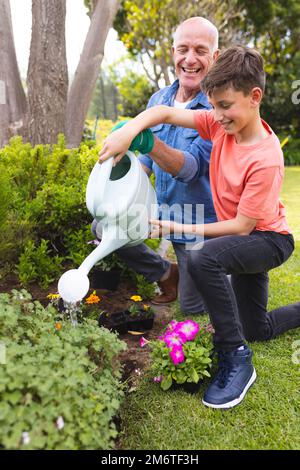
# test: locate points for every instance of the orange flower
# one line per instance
(93, 299)
(58, 326)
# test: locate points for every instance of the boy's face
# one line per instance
(233, 110)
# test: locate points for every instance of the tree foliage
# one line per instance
(273, 26)
(146, 28)
(134, 90)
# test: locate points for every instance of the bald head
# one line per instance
(198, 23)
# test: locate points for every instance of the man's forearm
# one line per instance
(167, 158)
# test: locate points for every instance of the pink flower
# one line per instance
(177, 355)
(188, 328)
(171, 326)
(158, 378)
(143, 341)
(174, 339)
(210, 329)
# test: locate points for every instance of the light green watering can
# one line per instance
(122, 201)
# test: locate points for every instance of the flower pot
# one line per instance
(189, 387)
(114, 321)
(109, 280)
(141, 322)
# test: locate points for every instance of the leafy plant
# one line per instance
(291, 152)
(139, 309)
(60, 386)
(110, 262)
(144, 288)
(182, 354)
(36, 263)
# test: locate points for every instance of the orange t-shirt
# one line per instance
(245, 179)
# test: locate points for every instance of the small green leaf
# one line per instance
(166, 383)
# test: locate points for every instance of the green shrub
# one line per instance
(43, 216)
(36, 263)
(42, 196)
(77, 246)
(291, 152)
(68, 376)
(6, 240)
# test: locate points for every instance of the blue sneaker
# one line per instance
(234, 377)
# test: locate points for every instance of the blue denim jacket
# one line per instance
(191, 185)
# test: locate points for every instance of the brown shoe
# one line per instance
(169, 287)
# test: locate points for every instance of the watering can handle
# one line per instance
(104, 174)
(97, 184)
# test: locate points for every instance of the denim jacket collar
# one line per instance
(200, 98)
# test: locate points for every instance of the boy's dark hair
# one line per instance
(238, 66)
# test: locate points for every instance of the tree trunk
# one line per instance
(47, 72)
(88, 68)
(12, 96)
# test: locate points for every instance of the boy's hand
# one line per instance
(115, 145)
(161, 228)
(143, 143)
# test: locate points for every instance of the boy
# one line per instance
(251, 235)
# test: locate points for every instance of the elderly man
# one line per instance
(179, 160)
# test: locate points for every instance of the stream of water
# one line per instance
(72, 309)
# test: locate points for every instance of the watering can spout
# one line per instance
(109, 243)
(74, 284)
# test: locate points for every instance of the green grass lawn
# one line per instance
(268, 418)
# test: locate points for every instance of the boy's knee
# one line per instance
(195, 262)
(258, 334)
(200, 258)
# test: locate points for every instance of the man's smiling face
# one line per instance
(192, 55)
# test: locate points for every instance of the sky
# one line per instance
(77, 24)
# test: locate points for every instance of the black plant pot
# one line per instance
(109, 280)
(140, 322)
(189, 387)
(114, 321)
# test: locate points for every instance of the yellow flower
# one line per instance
(58, 326)
(146, 307)
(136, 298)
(93, 299)
(53, 296)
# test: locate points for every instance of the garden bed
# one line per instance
(134, 359)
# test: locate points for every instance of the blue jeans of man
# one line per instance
(238, 309)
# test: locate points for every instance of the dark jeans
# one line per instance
(145, 261)
(238, 310)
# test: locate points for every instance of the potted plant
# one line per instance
(114, 321)
(181, 357)
(107, 273)
(140, 315)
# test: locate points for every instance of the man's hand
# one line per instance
(161, 228)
